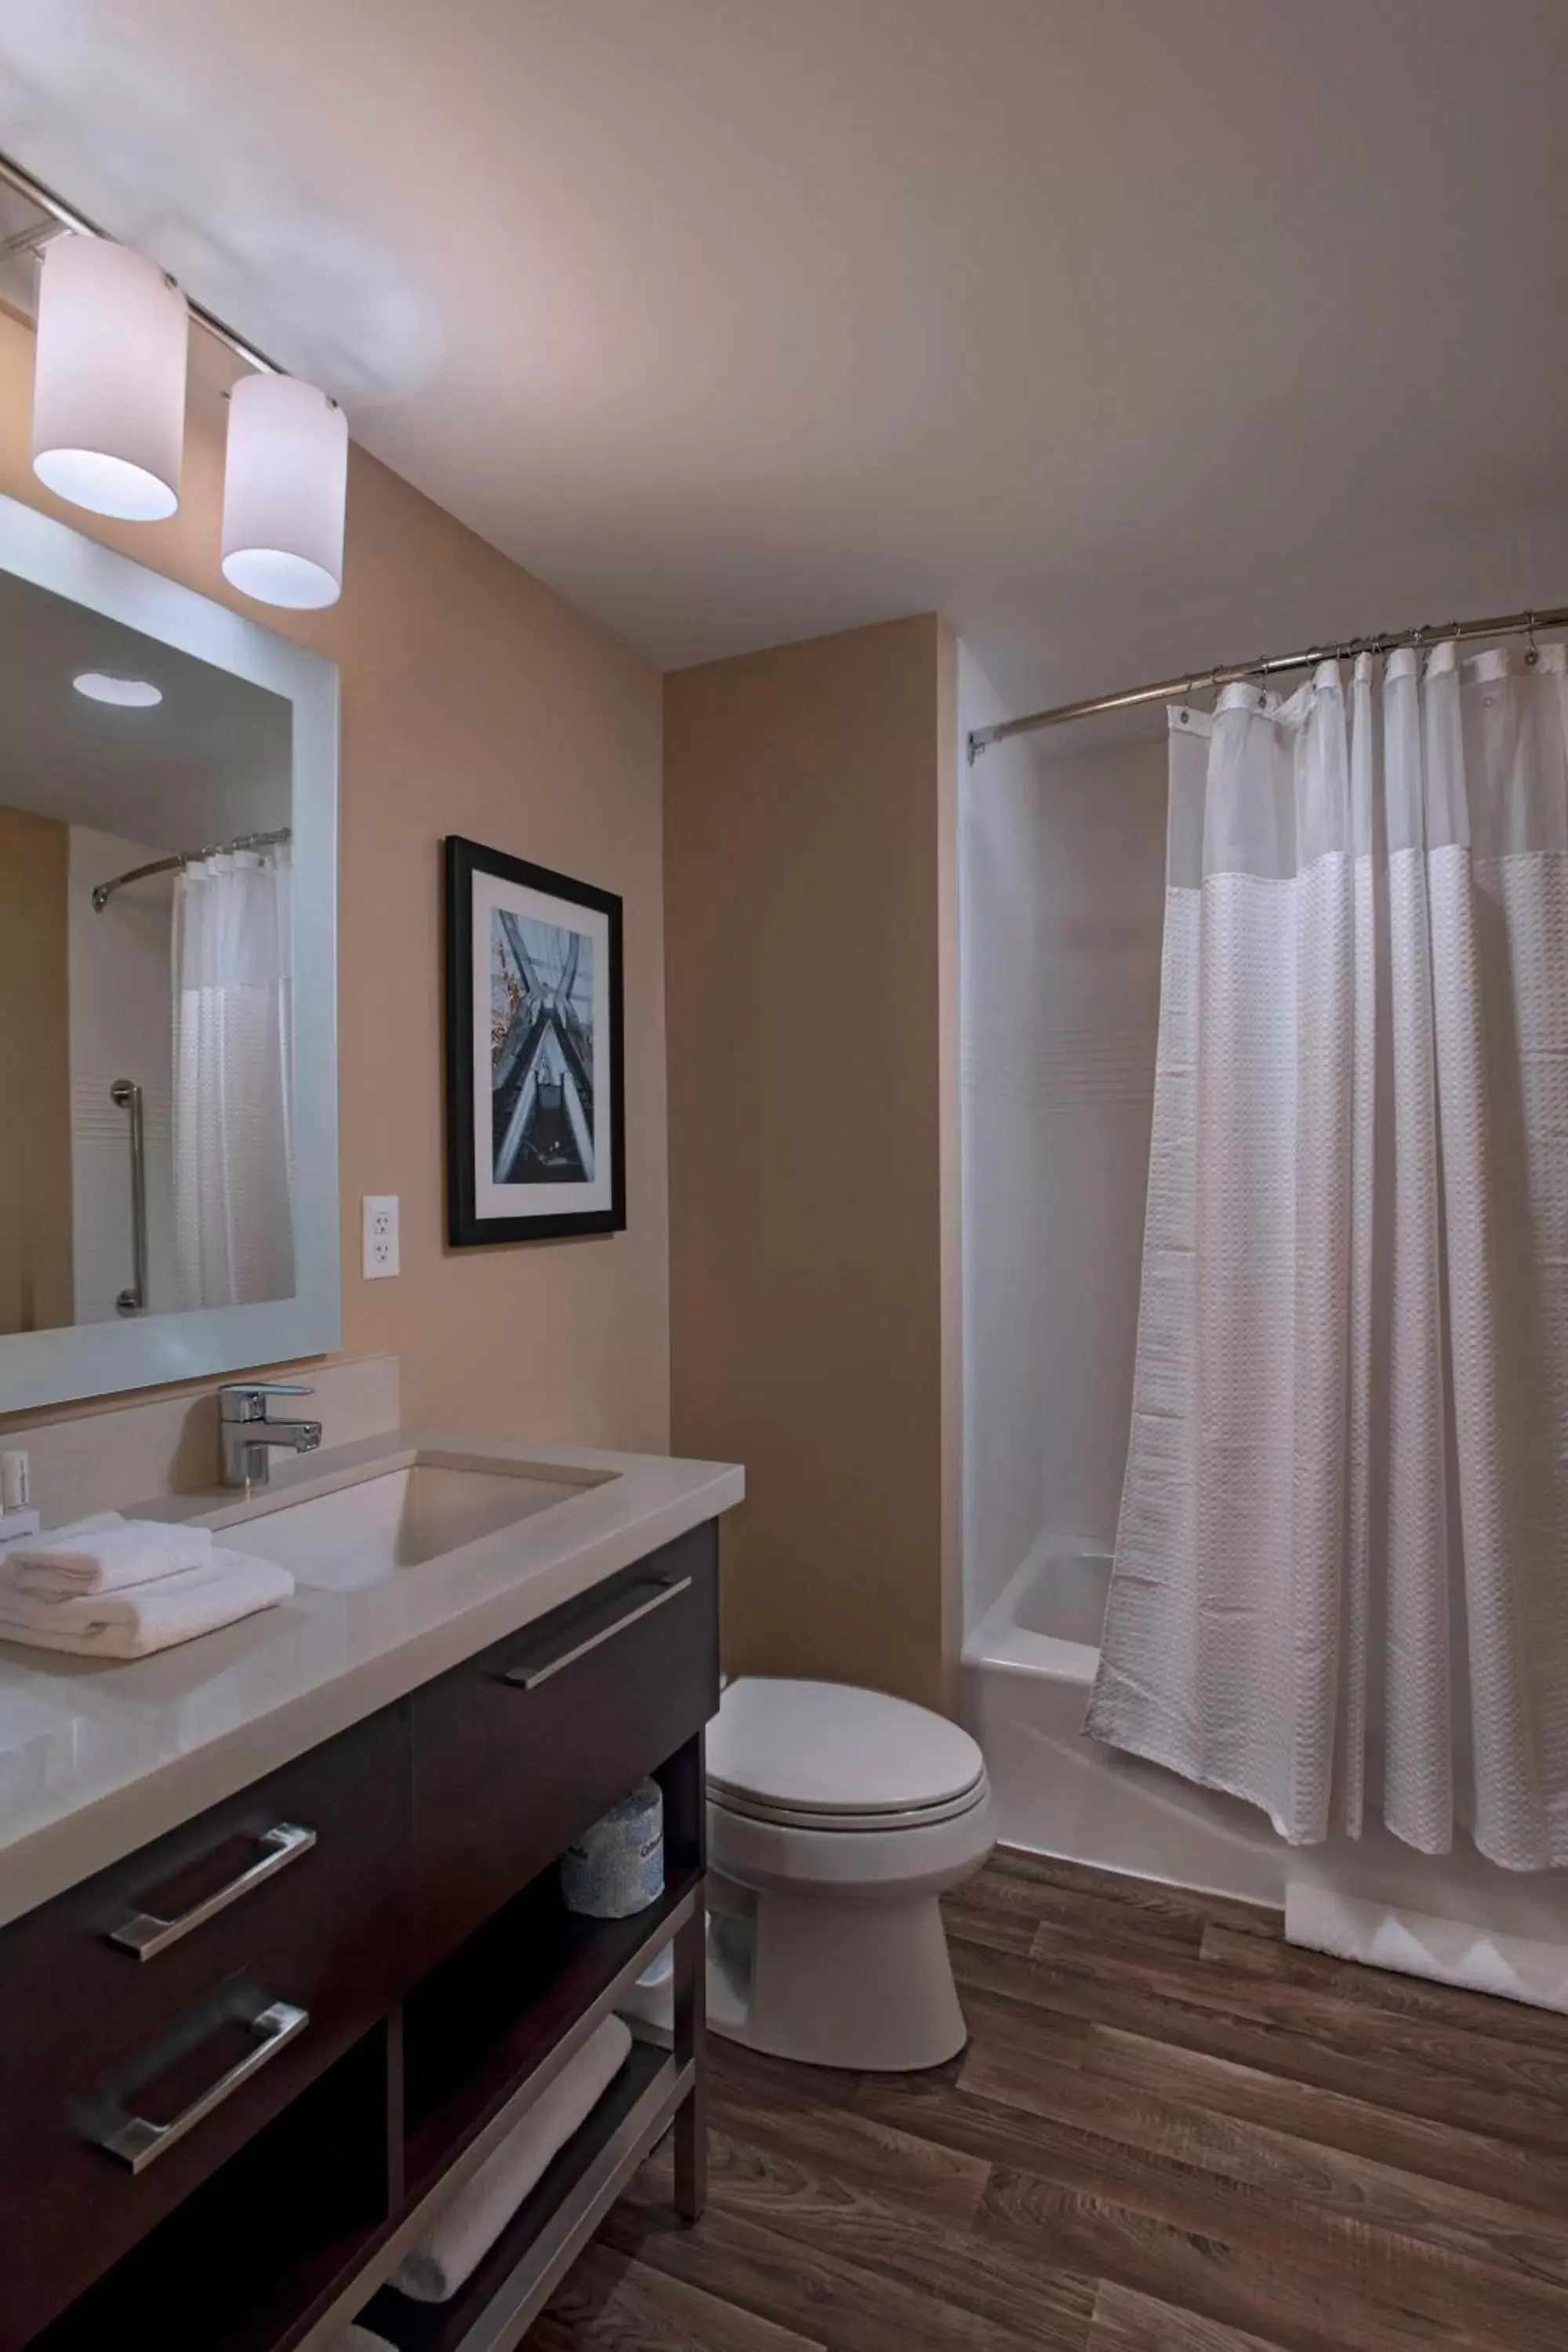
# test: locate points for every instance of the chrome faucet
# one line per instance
(249, 1437)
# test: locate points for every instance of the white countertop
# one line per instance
(98, 1756)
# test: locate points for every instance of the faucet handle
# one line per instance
(246, 1399)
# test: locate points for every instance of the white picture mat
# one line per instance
(492, 895)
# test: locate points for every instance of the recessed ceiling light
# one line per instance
(127, 693)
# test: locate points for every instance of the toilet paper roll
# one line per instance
(617, 1868)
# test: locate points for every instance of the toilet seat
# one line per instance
(794, 1817)
(826, 1756)
(886, 1862)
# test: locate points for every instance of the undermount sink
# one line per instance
(358, 1533)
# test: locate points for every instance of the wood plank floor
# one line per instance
(1171, 2132)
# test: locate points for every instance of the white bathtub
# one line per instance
(1026, 1675)
(1027, 1672)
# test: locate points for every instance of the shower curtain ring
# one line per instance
(1532, 653)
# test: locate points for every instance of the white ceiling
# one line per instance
(1127, 333)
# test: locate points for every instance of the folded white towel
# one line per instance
(107, 1560)
(141, 1618)
(462, 2236)
(99, 1523)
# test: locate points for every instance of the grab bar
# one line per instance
(127, 1095)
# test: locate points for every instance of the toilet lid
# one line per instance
(824, 1748)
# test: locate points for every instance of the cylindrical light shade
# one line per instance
(108, 385)
(284, 491)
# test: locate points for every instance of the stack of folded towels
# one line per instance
(109, 1587)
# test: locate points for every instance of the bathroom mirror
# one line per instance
(168, 1059)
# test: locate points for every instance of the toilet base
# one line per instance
(829, 1981)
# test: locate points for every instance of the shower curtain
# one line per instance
(233, 1097)
(1340, 1579)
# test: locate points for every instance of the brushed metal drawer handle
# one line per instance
(144, 1933)
(530, 1677)
(136, 2140)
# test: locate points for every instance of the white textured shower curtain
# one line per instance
(233, 1098)
(1342, 1564)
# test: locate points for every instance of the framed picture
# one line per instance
(535, 1091)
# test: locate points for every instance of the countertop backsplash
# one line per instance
(97, 1458)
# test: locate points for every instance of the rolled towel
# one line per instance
(141, 1618)
(463, 2235)
(108, 1559)
(652, 1999)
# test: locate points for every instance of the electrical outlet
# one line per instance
(380, 1250)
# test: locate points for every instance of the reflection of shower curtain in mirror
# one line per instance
(233, 1097)
(1341, 1568)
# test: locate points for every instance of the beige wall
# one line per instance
(810, 910)
(36, 1282)
(473, 702)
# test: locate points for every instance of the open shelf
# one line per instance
(554, 2221)
(527, 1988)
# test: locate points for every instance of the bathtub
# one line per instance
(1027, 1669)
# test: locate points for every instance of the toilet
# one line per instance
(835, 1818)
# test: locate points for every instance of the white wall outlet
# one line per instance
(381, 1249)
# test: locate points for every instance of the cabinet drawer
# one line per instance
(519, 1748)
(257, 1941)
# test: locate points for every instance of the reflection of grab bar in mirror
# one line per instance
(127, 1095)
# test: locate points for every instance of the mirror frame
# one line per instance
(87, 1360)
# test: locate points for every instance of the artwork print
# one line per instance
(542, 1051)
(534, 1085)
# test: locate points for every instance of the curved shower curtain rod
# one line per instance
(104, 891)
(1170, 690)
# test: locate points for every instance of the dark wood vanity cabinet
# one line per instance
(90, 2032)
(516, 1750)
(233, 2066)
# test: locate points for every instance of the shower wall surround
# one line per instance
(1063, 861)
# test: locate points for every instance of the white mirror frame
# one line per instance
(45, 1367)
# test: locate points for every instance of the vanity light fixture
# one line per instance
(109, 389)
(108, 403)
(285, 486)
(125, 693)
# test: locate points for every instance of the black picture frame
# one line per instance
(548, 1038)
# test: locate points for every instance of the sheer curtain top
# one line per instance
(1272, 782)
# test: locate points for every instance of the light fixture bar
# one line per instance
(14, 176)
